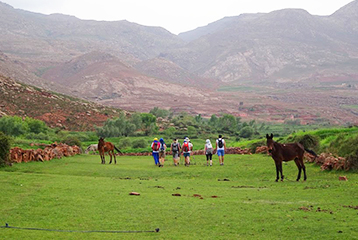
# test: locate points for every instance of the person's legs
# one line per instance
(220, 154)
(175, 159)
(211, 159)
(161, 159)
(156, 158)
(187, 158)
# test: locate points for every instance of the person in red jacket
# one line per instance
(155, 151)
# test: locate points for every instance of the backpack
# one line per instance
(209, 149)
(155, 146)
(162, 149)
(220, 143)
(175, 147)
(186, 147)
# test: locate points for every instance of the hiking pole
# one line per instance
(80, 231)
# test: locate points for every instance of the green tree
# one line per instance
(198, 119)
(136, 119)
(213, 122)
(192, 131)
(158, 112)
(36, 126)
(149, 123)
(227, 123)
(5, 145)
(13, 126)
(129, 129)
(246, 132)
(169, 132)
(118, 127)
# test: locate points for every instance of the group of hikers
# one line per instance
(159, 149)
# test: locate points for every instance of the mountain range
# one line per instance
(274, 66)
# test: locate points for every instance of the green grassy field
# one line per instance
(78, 193)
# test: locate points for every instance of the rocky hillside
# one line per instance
(54, 109)
(103, 78)
(287, 44)
(283, 64)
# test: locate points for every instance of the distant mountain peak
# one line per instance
(348, 11)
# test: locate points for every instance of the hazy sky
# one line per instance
(175, 16)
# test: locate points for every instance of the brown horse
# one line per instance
(104, 147)
(287, 152)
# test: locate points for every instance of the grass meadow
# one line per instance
(78, 193)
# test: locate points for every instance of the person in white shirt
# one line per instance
(208, 152)
(220, 149)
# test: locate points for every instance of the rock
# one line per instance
(134, 193)
(343, 178)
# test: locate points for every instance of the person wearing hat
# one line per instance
(162, 149)
(208, 152)
(155, 151)
(186, 149)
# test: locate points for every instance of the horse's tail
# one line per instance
(311, 152)
(117, 149)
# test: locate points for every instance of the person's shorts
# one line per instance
(187, 154)
(221, 152)
(175, 154)
(161, 154)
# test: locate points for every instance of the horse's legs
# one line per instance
(277, 171)
(303, 168)
(102, 158)
(304, 172)
(280, 168)
(114, 155)
(110, 155)
(299, 167)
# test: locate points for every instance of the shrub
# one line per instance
(70, 140)
(308, 141)
(39, 136)
(125, 142)
(5, 145)
(254, 145)
(139, 143)
(36, 126)
(85, 136)
(246, 132)
(170, 132)
(346, 146)
(13, 126)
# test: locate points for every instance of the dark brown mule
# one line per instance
(287, 152)
(104, 147)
